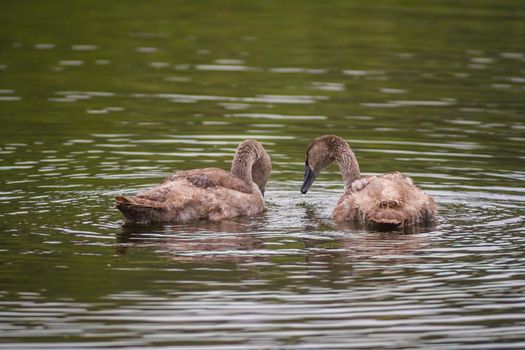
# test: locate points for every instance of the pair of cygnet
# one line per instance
(215, 194)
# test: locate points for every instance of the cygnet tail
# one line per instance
(138, 209)
(387, 212)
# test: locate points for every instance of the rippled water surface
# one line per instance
(104, 98)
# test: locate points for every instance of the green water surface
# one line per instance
(101, 98)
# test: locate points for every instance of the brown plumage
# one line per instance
(209, 193)
(384, 201)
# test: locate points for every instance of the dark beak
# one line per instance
(309, 178)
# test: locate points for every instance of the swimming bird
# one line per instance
(383, 201)
(209, 193)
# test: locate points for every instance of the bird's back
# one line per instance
(390, 199)
(192, 195)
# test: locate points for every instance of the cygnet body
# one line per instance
(390, 200)
(205, 194)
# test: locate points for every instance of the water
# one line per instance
(107, 98)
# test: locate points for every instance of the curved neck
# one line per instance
(243, 162)
(345, 158)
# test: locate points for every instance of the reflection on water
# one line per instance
(202, 242)
(238, 243)
(110, 99)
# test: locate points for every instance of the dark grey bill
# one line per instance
(309, 178)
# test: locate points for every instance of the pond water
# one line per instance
(102, 98)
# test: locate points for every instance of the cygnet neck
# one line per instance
(244, 160)
(346, 160)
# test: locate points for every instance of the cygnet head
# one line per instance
(322, 152)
